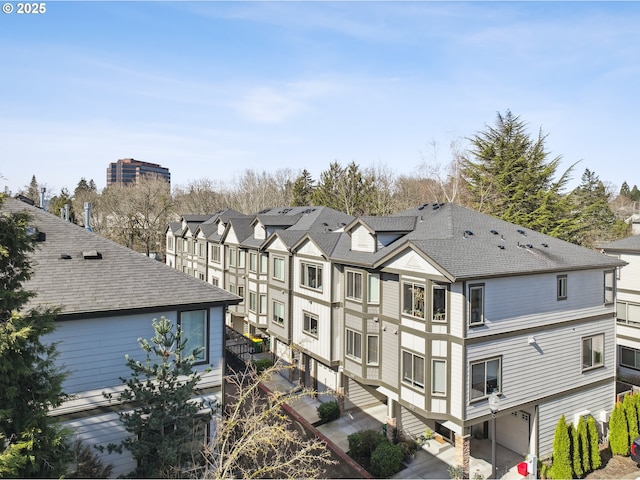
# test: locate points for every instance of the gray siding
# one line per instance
(412, 425)
(389, 355)
(360, 396)
(390, 295)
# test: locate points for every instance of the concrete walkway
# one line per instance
(430, 462)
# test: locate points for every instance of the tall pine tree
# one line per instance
(302, 190)
(31, 444)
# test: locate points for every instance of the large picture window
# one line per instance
(354, 344)
(311, 276)
(593, 351)
(193, 326)
(354, 285)
(476, 304)
(310, 324)
(485, 378)
(413, 369)
(413, 299)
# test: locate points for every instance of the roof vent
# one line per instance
(64, 256)
(436, 206)
(468, 233)
(529, 245)
(91, 255)
(495, 232)
(521, 232)
(421, 207)
(545, 245)
(37, 234)
(501, 247)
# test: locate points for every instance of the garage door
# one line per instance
(513, 430)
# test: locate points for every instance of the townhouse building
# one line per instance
(627, 307)
(431, 310)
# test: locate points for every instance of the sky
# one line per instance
(210, 89)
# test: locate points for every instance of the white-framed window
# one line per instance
(262, 303)
(215, 253)
(562, 287)
(628, 313)
(278, 312)
(486, 378)
(373, 290)
(439, 303)
(278, 268)
(413, 299)
(413, 369)
(241, 258)
(233, 253)
(215, 281)
(354, 285)
(179, 243)
(311, 276)
(609, 280)
(264, 263)
(193, 328)
(253, 261)
(202, 250)
(201, 275)
(630, 357)
(438, 377)
(169, 243)
(253, 301)
(185, 245)
(593, 351)
(241, 292)
(476, 304)
(233, 289)
(373, 342)
(310, 324)
(354, 344)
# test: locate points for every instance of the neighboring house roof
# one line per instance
(467, 244)
(174, 227)
(629, 244)
(113, 280)
(390, 224)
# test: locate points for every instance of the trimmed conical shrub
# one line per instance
(576, 458)
(561, 465)
(594, 444)
(618, 431)
(631, 412)
(583, 441)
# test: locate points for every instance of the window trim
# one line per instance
(279, 259)
(253, 262)
(440, 317)
(305, 275)
(375, 278)
(562, 287)
(609, 291)
(486, 393)
(215, 253)
(473, 287)
(410, 311)
(274, 318)
(595, 364)
(433, 377)
(232, 256)
(377, 350)
(351, 286)
(205, 346)
(353, 344)
(412, 381)
(253, 302)
(313, 318)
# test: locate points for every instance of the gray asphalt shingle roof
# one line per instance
(628, 244)
(120, 281)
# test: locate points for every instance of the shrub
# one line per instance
(386, 460)
(629, 405)
(456, 472)
(328, 411)
(575, 452)
(262, 364)
(594, 444)
(561, 465)
(583, 442)
(362, 445)
(409, 447)
(88, 464)
(618, 431)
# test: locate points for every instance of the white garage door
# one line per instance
(513, 430)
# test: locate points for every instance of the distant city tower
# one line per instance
(129, 171)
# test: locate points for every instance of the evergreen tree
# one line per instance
(594, 443)
(346, 190)
(327, 191)
(33, 192)
(618, 431)
(631, 413)
(635, 194)
(166, 427)
(583, 444)
(302, 189)
(561, 464)
(510, 176)
(576, 456)
(625, 191)
(31, 444)
(58, 202)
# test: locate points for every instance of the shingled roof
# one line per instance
(87, 275)
(630, 244)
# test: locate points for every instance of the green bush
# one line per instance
(362, 445)
(618, 431)
(409, 447)
(629, 405)
(386, 460)
(575, 452)
(594, 444)
(583, 441)
(561, 465)
(328, 411)
(262, 364)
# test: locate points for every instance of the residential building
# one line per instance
(128, 171)
(430, 311)
(108, 296)
(627, 307)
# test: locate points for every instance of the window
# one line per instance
(413, 299)
(232, 288)
(593, 351)
(439, 377)
(354, 344)
(193, 326)
(262, 304)
(253, 301)
(562, 287)
(278, 313)
(412, 369)
(215, 253)
(169, 243)
(202, 249)
(232, 257)
(278, 268)
(354, 285)
(439, 303)
(241, 258)
(185, 245)
(628, 313)
(374, 288)
(253, 261)
(201, 275)
(241, 292)
(179, 247)
(372, 349)
(485, 378)
(310, 324)
(215, 281)
(608, 286)
(264, 261)
(630, 357)
(476, 305)
(311, 276)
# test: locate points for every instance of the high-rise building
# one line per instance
(129, 171)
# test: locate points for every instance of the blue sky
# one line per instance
(210, 89)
